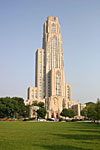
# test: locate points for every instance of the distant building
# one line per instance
(50, 86)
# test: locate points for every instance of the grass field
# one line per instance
(49, 136)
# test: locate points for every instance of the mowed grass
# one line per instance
(49, 136)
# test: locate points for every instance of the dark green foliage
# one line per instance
(35, 103)
(60, 119)
(97, 109)
(68, 113)
(41, 104)
(92, 110)
(13, 107)
(64, 112)
(41, 113)
(71, 113)
(89, 103)
(84, 112)
(26, 111)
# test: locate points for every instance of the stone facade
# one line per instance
(50, 86)
(33, 113)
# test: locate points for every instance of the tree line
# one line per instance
(15, 108)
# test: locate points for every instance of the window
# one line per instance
(58, 83)
(54, 52)
(32, 93)
(55, 101)
(36, 94)
(53, 27)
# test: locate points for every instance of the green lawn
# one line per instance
(49, 136)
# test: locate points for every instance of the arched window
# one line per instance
(58, 83)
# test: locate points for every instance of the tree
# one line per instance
(84, 112)
(41, 104)
(68, 113)
(26, 111)
(97, 109)
(89, 111)
(6, 107)
(2, 110)
(71, 113)
(92, 110)
(35, 103)
(19, 107)
(41, 113)
(12, 107)
(89, 103)
(64, 112)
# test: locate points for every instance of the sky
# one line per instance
(21, 32)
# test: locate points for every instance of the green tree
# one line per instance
(84, 112)
(35, 103)
(89, 110)
(41, 104)
(26, 111)
(92, 110)
(12, 107)
(2, 110)
(71, 113)
(41, 113)
(19, 107)
(97, 109)
(64, 113)
(5, 107)
(89, 103)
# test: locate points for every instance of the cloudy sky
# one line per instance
(21, 29)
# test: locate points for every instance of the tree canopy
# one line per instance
(71, 113)
(92, 110)
(13, 107)
(67, 112)
(41, 113)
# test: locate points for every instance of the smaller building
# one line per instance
(33, 111)
(82, 106)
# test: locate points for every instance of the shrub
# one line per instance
(60, 119)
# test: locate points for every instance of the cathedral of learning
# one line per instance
(50, 86)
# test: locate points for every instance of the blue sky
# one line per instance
(21, 29)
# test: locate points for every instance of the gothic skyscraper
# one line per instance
(50, 61)
(50, 86)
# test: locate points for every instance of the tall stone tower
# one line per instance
(50, 86)
(52, 45)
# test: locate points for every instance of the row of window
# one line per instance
(34, 94)
(58, 83)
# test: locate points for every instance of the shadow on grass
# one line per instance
(78, 136)
(90, 131)
(61, 147)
